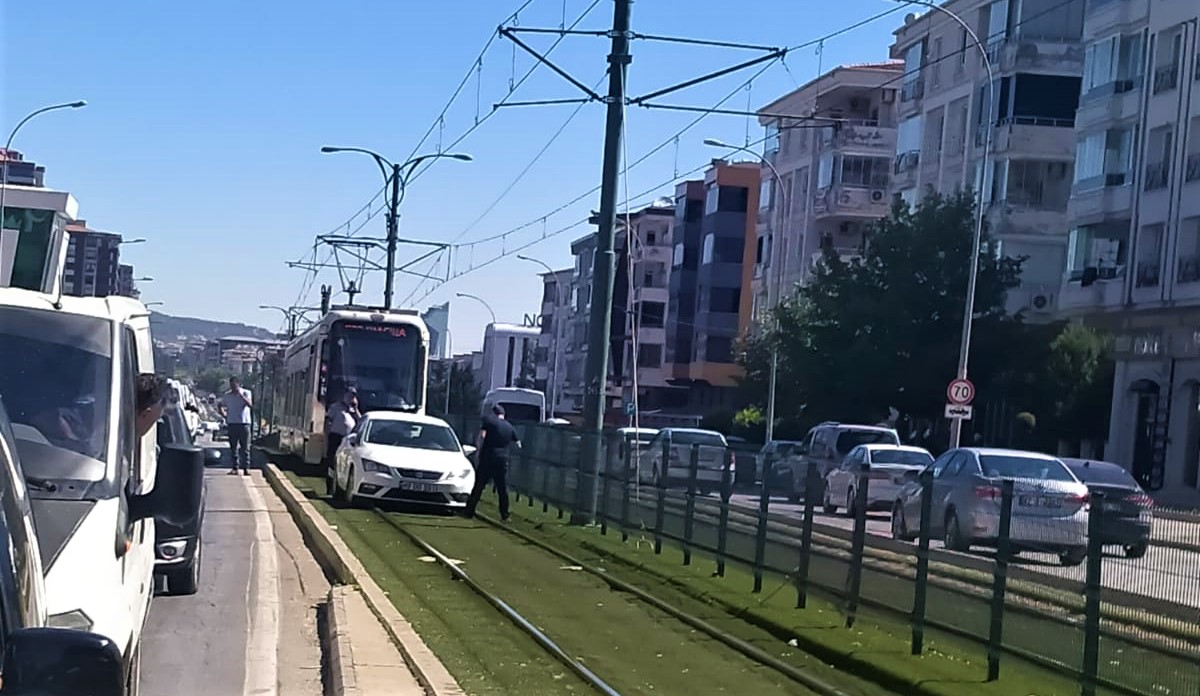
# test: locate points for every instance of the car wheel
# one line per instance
(851, 507)
(343, 494)
(899, 524)
(186, 581)
(1137, 550)
(827, 506)
(1073, 556)
(954, 540)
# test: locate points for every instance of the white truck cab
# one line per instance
(68, 378)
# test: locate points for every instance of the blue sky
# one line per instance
(205, 120)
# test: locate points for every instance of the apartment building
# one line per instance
(93, 262)
(714, 242)
(552, 342)
(1133, 265)
(945, 111)
(832, 142)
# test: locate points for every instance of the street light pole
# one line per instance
(8, 146)
(395, 175)
(552, 377)
(777, 261)
(964, 346)
(449, 370)
(480, 300)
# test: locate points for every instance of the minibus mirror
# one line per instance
(178, 487)
(61, 662)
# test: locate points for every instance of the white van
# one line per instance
(69, 376)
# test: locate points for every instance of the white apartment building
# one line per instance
(1133, 265)
(834, 177)
(945, 109)
(552, 342)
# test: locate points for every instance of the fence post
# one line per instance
(549, 462)
(660, 485)
(605, 478)
(522, 465)
(723, 524)
(561, 497)
(690, 503)
(806, 532)
(627, 458)
(1000, 580)
(760, 533)
(1091, 593)
(921, 591)
(857, 542)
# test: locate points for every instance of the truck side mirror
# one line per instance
(178, 487)
(61, 662)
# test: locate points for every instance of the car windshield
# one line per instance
(55, 379)
(1013, 466)
(1110, 475)
(849, 439)
(901, 457)
(697, 437)
(415, 435)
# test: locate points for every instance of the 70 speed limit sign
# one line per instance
(960, 392)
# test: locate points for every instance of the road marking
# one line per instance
(262, 602)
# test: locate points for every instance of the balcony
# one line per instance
(1104, 293)
(912, 91)
(1044, 137)
(860, 134)
(1156, 176)
(1166, 77)
(1035, 54)
(1192, 172)
(846, 254)
(844, 200)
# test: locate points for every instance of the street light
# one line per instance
(553, 331)
(155, 304)
(13, 134)
(292, 315)
(137, 240)
(144, 279)
(398, 178)
(777, 260)
(964, 346)
(480, 300)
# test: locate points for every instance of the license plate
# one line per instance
(418, 487)
(1042, 501)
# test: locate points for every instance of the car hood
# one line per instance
(412, 458)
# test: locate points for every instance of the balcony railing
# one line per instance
(1147, 274)
(1192, 172)
(1166, 77)
(1156, 175)
(1188, 270)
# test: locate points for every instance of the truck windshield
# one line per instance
(55, 378)
(380, 360)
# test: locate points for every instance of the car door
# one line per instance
(346, 459)
(943, 489)
(839, 479)
(911, 495)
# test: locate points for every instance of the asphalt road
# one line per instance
(252, 626)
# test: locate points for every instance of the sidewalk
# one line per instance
(363, 659)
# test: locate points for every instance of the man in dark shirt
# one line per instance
(495, 436)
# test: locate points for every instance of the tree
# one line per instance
(213, 380)
(883, 330)
(465, 395)
(1079, 376)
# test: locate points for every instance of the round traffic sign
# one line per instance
(960, 392)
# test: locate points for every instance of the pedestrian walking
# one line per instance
(496, 436)
(236, 405)
(340, 419)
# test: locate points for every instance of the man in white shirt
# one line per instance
(235, 406)
(340, 419)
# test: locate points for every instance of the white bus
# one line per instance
(383, 355)
(520, 405)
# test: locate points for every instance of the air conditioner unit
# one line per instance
(878, 196)
(887, 96)
(1041, 302)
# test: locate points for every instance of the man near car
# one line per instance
(496, 435)
(236, 405)
(340, 419)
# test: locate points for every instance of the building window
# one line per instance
(718, 349)
(771, 140)
(1100, 250)
(725, 300)
(650, 238)
(825, 171)
(711, 199)
(1112, 64)
(677, 255)
(652, 314)
(766, 194)
(1169, 52)
(707, 255)
(1103, 159)
(1149, 250)
(1188, 265)
(649, 355)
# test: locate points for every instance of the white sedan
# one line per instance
(403, 457)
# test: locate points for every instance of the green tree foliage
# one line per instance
(465, 395)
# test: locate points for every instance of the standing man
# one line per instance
(235, 406)
(340, 419)
(495, 436)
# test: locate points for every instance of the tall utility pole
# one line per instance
(600, 321)
(393, 230)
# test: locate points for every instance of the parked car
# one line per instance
(178, 548)
(392, 455)
(887, 464)
(773, 461)
(1049, 511)
(38, 659)
(827, 445)
(676, 471)
(1128, 511)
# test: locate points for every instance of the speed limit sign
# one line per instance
(960, 392)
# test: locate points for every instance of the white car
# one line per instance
(889, 466)
(391, 455)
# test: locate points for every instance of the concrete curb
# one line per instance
(341, 661)
(331, 551)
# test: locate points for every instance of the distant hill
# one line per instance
(166, 327)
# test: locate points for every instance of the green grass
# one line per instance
(636, 648)
(877, 642)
